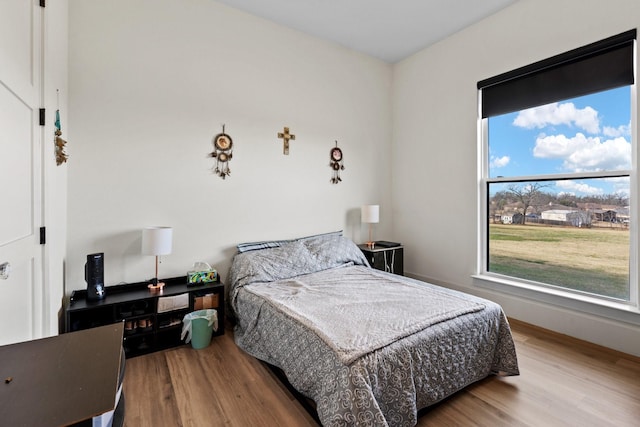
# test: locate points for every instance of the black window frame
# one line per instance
(599, 66)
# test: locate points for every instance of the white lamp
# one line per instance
(370, 214)
(156, 241)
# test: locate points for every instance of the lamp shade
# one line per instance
(370, 214)
(157, 240)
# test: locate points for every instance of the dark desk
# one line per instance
(60, 380)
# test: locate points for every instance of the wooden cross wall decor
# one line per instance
(286, 136)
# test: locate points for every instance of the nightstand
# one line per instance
(385, 256)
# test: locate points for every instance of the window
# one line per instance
(556, 173)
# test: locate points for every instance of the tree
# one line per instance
(527, 195)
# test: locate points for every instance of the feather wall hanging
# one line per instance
(222, 152)
(336, 164)
(61, 155)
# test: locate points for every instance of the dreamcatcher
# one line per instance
(336, 163)
(222, 152)
(61, 156)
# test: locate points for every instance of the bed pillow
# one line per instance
(255, 246)
(267, 265)
(294, 259)
(333, 250)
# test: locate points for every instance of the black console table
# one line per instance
(152, 321)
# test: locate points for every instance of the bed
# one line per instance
(368, 347)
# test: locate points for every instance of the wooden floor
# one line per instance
(562, 382)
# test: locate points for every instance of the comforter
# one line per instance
(369, 347)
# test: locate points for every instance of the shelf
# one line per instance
(134, 302)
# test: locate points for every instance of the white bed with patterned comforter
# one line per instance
(370, 348)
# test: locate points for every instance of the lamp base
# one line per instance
(156, 288)
(371, 245)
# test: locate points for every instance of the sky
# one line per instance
(588, 133)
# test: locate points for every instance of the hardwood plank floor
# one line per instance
(562, 382)
(216, 386)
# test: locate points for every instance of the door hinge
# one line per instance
(42, 3)
(42, 111)
(43, 235)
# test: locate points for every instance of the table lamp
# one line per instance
(156, 241)
(370, 214)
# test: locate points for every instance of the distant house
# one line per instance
(570, 217)
(512, 218)
(606, 215)
(556, 214)
(507, 218)
(622, 215)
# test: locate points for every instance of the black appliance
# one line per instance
(94, 276)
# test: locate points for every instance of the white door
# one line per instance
(21, 293)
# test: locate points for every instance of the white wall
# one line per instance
(435, 145)
(152, 81)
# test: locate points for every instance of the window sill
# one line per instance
(620, 311)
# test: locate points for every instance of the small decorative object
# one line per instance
(200, 277)
(335, 157)
(222, 152)
(156, 241)
(286, 136)
(202, 273)
(61, 156)
(370, 214)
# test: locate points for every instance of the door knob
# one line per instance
(5, 270)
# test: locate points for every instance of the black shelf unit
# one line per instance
(135, 305)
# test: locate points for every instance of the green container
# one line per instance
(203, 322)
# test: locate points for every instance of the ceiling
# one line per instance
(390, 30)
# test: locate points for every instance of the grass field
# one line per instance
(587, 259)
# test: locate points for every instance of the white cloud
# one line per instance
(499, 162)
(581, 153)
(559, 114)
(622, 130)
(572, 187)
(620, 185)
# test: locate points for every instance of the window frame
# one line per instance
(627, 311)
